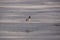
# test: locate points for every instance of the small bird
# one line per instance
(28, 20)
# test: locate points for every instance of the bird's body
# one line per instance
(28, 20)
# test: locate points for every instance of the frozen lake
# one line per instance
(45, 15)
(38, 31)
(13, 26)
